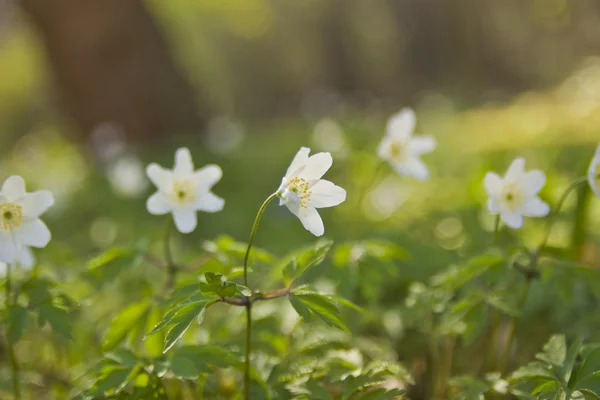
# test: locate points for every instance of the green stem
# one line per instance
(171, 266)
(555, 212)
(248, 350)
(512, 329)
(496, 229)
(261, 210)
(14, 366)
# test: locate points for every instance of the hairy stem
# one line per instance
(248, 304)
(14, 366)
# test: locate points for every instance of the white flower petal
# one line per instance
(413, 167)
(492, 183)
(536, 207)
(185, 220)
(512, 220)
(160, 177)
(594, 173)
(402, 124)
(158, 204)
(494, 205)
(26, 258)
(422, 144)
(516, 169)
(299, 161)
(207, 176)
(32, 233)
(210, 202)
(316, 166)
(383, 150)
(326, 194)
(8, 247)
(13, 188)
(534, 181)
(311, 220)
(34, 204)
(183, 162)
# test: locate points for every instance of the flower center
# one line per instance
(397, 150)
(300, 186)
(512, 197)
(183, 192)
(10, 216)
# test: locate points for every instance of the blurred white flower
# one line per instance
(594, 173)
(303, 191)
(403, 150)
(516, 195)
(25, 259)
(126, 176)
(183, 191)
(20, 224)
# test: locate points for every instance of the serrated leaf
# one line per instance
(182, 321)
(123, 323)
(554, 351)
(17, 318)
(533, 370)
(324, 308)
(289, 271)
(57, 318)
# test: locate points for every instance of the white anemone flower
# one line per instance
(303, 191)
(594, 173)
(516, 194)
(403, 150)
(24, 258)
(20, 224)
(183, 191)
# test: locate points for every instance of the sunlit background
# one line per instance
(92, 91)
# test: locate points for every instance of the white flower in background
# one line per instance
(20, 225)
(516, 195)
(25, 260)
(403, 150)
(184, 191)
(594, 173)
(126, 176)
(303, 191)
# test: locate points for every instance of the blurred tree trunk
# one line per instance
(111, 64)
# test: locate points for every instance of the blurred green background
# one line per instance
(91, 91)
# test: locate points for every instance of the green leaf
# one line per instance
(124, 357)
(554, 351)
(243, 290)
(567, 367)
(17, 319)
(535, 370)
(228, 289)
(289, 271)
(123, 323)
(57, 318)
(296, 266)
(182, 321)
(184, 368)
(322, 307)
